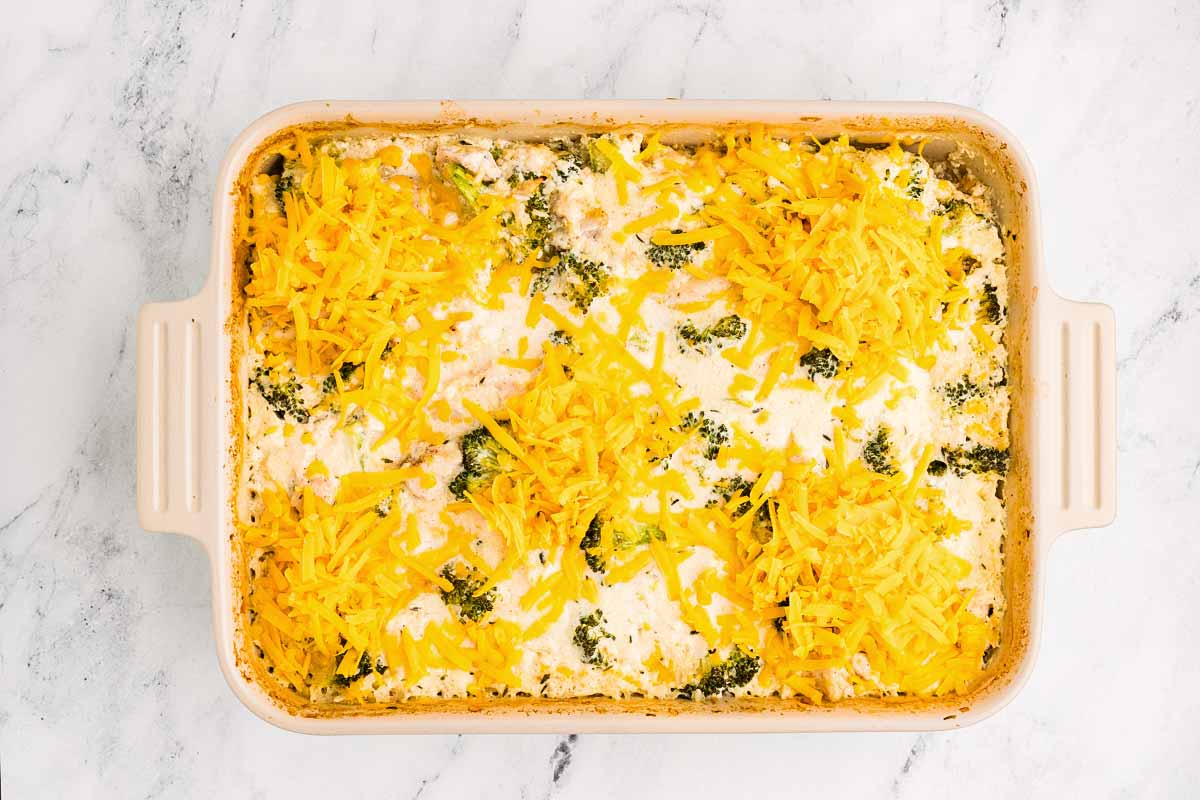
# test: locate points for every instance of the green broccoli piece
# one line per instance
(581, 281)
(465, 183)
(520, 176)
(283, 398)
(733, 487)
(715, 434)
(579, 153)
(958, 393)
(641, 534)
(590, 280)
(482, 461)
(597, 160)
(979, 459)
(283, 185)
(573, 164)
(916, 181)
(952, 208)
(561, 337)
(990, 306)
(673, 256)
(820, 361)
(590, 544)
(728, 488)
(876, 453)
(724, 331)
(936, 468)
(572, 153)
(537, 232)
(778, 622)
(346, 371)
(588, 634)
(543, 279)
(365, 666)
(730, 327)
(463, 593)
(736, 670)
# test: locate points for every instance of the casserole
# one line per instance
(1062, 422)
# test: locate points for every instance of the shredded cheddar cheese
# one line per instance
(605, 415)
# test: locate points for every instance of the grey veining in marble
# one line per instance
(115, 116)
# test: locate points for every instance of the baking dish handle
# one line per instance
(1082, 381)
(175, 400)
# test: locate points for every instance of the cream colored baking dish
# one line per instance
(1062, 374)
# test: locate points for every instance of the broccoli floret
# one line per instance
(520, 176)
(715, 434)
(465, 183)
(561, 337)
(283, 398)
(537, 232)
(673, 256)
(958, 393)
(346, 371)
(728, 489)
(724, 331)
(590, 544)
(597, 160)
(990, 306)
(581, 281)
(779, 622)
(365, 666)
(462, 593)
(571, 164)
(481, 457)
(579, 152)
(736, 670)
(936, 468)
(953, 207)
(588, 634)
(875, 453)
(763, 529)
(572, 154)
(622, 540)
(915, 188)
(980, 459)
(543, 279)
(283, 185)
(820, 361)
(730, 327)
(641, 534)
(590, 280)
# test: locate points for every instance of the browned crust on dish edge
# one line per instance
(992, 166)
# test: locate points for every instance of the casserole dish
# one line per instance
(1062, 381)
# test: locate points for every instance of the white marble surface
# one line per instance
(115, 116)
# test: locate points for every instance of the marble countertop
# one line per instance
(115, 117)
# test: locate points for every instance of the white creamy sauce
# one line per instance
(638, 613)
